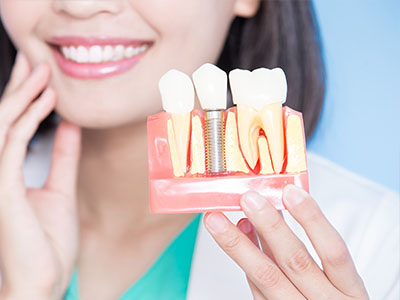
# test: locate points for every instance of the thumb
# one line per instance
(65, 159)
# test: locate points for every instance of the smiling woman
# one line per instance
(82, 229)
(275, 26)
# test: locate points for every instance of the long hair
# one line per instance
(282, 34)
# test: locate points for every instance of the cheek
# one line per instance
(21, 26)
(15, 24)
(190, 32)
(18, 24)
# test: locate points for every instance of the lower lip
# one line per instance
(95, 70)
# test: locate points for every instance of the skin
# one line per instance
(82, 215)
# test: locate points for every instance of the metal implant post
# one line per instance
(211, 86)
(214, 140)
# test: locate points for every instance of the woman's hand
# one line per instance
(284, 269)
(38, 227)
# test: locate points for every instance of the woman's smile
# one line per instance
(94, 57)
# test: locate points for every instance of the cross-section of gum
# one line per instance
(200, 193)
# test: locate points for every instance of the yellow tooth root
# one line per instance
(249, 124)
(197, 151)
(233, 156)
(265, 158)
(272, 120)
(296, 153)
(181, 126)
(176, 165)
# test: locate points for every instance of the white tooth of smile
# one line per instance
(97, 53)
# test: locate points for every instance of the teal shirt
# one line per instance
(167, 278)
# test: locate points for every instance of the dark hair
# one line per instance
(282, 33)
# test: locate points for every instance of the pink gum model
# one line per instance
(200, 193)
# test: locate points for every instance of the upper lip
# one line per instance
(69, 40)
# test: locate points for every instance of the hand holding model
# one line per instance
(37, 248)
(282, 268)
(276, 262)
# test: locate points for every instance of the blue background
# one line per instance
(359, 127)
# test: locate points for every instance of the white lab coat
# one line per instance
(364, 213)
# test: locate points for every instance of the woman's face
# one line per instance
(181, 34)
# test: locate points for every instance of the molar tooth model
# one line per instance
(205, 160)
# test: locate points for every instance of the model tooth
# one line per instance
(259, 96)
(241, 87)
(268, 86)
(197, 147)
(173, 149)
(82, 55)
(95, 54)
(272, 124)
(177, 95)
(233, 156)
(211, 86)
(265, 158)
(295, 142)
(177, 92)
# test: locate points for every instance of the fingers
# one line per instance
(16, 102)
(14, 150)
(19, 73)
(245, 226)
(335, 257)
(268, 278)
(289, 252)
(65, 159)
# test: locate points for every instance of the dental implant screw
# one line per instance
(215, 140)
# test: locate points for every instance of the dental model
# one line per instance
(204, 160)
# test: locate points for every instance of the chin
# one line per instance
(104, 117)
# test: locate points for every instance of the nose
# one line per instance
(82, 9)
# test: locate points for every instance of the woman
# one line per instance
(92, 215)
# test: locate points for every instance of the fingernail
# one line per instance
(253, 201)
(293, 195)
(217, 222)
(245, 226)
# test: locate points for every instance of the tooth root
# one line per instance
(197, 152)
(233, 156)
(296, 153)
(176, 165)
(272, 124)
(181, 127)
(249, 125)
(265, 158)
